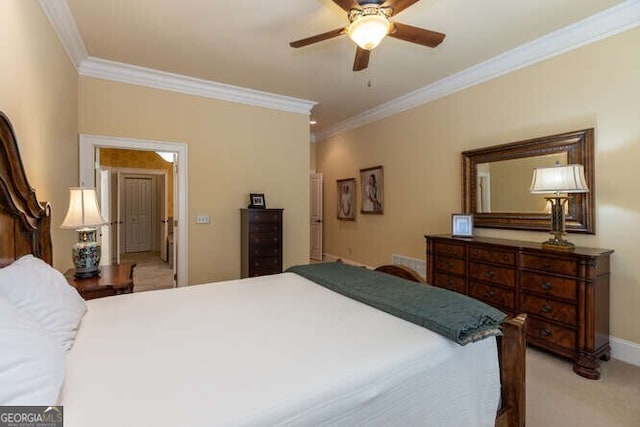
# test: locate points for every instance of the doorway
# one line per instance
(91, 174)
(316, 216)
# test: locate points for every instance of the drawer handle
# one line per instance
(449, 265)
(490, 294)
(448, 248)
(546, 264)
(546, 333)
(490, 273)
(546, 286)
(449, 282)
(505, 258)
(546, 308)
(475, 253)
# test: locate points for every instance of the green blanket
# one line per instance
(455, 316)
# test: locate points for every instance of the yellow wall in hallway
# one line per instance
(117, 158)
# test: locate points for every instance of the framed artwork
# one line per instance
(256, 200)
(462, 225)
(371, 180)
(347, 199)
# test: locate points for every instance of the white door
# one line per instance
(117, 215)
(162, 211)
(137, 214)
(316, 216)
(175, 228)
(104, 176)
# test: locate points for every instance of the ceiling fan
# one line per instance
(369, 24)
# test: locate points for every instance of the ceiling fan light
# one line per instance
(369, 30)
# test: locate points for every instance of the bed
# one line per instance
(276, 350)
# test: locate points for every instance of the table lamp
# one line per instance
(84, 215)
(558, 180)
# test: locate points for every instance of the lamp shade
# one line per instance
(83, 209)
(559, 179)
(369, 30)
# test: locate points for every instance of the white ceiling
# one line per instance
(245, 43)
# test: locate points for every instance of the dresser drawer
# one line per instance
(260, 251)
(502, 275)
(449, 249)
(450, 265)
(258, 215)
(265, 238)
(265, 263)
(545, 332)
(550, 309)
(549, 285)
(550, 265)
(492, 295)
(452, 283)
(492, 255)
(264, 227)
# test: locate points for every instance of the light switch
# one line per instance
(203, 219)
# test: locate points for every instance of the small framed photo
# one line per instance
(462, 225)
(347, 199)
(371, 180)
(256, 201)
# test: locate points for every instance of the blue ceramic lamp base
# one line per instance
(86, 254)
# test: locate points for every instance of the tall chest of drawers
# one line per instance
(261, 242)
(565, 294)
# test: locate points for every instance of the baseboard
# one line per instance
(625, 351)
(334, 258)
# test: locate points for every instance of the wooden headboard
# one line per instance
(25, 223)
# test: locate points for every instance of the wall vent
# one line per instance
(417, 264)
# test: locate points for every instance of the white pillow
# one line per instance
(36, 288)
(31, 360)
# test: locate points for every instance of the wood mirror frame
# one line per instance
(579, 148)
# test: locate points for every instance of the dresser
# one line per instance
(261, 242)
(565, 294)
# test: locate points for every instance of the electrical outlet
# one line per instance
(203, 219)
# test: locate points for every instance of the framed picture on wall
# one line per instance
(347, 199)
(371, 180)
(462, 225)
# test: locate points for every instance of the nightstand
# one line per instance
(113, 280)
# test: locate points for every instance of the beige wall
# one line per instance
(233, 149)
(38, 93)
(313, 164)
(595, 86)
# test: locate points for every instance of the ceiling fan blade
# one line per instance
(347, 5)
(318, 38)
(398, 5)
(416, 35)
(362, 59)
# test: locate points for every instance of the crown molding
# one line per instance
(612, 21)
(141, 76)
(59, 15)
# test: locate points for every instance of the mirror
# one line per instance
(496, 182)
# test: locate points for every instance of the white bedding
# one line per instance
(275, 350)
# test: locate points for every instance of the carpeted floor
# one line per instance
(151, 273)
(556, 396)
